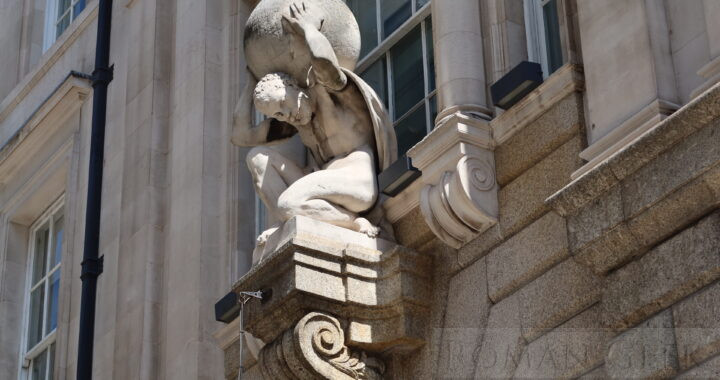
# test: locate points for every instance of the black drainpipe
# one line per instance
(92, 264)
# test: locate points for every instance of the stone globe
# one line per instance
(269, 49)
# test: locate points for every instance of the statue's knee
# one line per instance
(288, 206)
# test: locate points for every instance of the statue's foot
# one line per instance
(363, 225)
(263, 237)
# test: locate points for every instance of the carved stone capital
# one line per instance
(315, 348)
(459, 197)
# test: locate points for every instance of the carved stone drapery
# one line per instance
(459, 198)
(315, 348)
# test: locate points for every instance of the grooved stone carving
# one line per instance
(459, 200)
(314, 348)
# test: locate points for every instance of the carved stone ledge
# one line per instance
(379, 291)
(314, 348)
(459, 195)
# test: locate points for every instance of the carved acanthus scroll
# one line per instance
(315, 348)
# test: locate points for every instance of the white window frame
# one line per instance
(418, 17)
(52, 19)
(26, 357)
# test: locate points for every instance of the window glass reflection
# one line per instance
(376, 77)
(408, 76)
(430, 54)
(37, 300)
(411, 130)
(394, 13)
(552, 36)
(365, 12)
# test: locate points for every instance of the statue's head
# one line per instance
(278, 95)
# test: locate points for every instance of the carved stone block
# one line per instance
(378, 290)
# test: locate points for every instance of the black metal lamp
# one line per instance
(517, 83)
(399, 175)
(228, 308)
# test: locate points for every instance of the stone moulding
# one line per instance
(314, 348)
(318, 274)
(590, 185)
(661, 182)
(459, 195)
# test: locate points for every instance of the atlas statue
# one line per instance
(300, 58)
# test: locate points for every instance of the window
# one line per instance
(58, 16)
(42, 295)
(396, 60)
(543, 34)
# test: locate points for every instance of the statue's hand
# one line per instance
(300, 17)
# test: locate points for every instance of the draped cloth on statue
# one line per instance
(385, 139)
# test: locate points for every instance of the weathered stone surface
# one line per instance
(539, 138)
(709, 370)
(556, 296)
(523, 200)
(598, 373)
(381, 289)
(502, 342)
(680, 164)
(526, 255)
(595, 219)
(584, 189)
(602, 235)
(696, 115)
(480, 246)
(567, 351)
(673, 213)
(668, 273)
(412, 231)
(466, 317)
(646, 351)
(616, 247)
(697, 326)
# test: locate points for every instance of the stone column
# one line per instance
(459, 60)
(459, 197)
(628, 71)
(711, 71)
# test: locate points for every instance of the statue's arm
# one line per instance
(305, 23)
(244, 133)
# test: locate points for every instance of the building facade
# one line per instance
(587, 244)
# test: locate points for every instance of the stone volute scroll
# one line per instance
(459, 199)
(339, 292)
(317, 346)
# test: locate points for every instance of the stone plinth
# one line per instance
(376, 292)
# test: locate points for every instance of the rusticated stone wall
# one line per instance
(613, 275)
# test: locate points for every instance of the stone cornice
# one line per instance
(56, 51)
(47, 120)
(692, 117)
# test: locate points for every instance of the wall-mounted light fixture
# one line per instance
(399, 175)
(517, 83)
(228, 308)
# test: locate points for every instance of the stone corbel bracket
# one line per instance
(332, 294)
(459, 198)
(316, 348)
